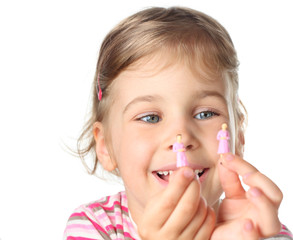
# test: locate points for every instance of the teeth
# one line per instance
(165, 173)
(198, 171)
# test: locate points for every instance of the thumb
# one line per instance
(249, 231)
(230, 182)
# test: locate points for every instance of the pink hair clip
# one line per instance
(100, 90)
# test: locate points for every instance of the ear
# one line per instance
(101, 148)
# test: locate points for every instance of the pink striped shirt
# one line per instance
(108, 218)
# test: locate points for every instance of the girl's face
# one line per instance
(150, 108)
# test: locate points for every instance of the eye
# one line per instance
(205, 115)
(150, 118)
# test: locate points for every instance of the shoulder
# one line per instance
(108, 204)
(106, 218)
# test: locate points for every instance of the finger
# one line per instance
(249, 232)
(252, 177)
(242, 229)
(197, 220)
(207, 227)
(186, 209)
(230, 182)
(266, 213)
(231, 209)
(237, 164)
(269, 188)
(163, 204)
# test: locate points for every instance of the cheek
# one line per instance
(132, 149)
(210, 139)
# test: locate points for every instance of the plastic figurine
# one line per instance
(223, 138)
(179, 148)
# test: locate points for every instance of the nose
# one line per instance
(188, 138)
(183, 125)
(188, 146)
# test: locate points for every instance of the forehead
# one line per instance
(201, 66)
(158, 71)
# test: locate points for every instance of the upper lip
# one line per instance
(172, 167)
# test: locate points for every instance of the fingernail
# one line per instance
(188, 173)
(254, 192)
(229, 157)
(248, 226)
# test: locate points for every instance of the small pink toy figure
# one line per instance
(179, 148)
(223, 137)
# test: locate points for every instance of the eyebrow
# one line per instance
(146, 98)
(152, 98)
(205, 94)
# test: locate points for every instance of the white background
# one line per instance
(48, 53)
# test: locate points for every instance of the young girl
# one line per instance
(163, 72)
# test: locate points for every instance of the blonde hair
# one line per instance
(182, 32)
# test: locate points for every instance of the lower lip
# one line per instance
(204, 176)
(165, 183)
(160, 180)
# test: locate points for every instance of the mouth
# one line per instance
(163, 176)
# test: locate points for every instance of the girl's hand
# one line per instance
(178, 212)
(251, 214)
